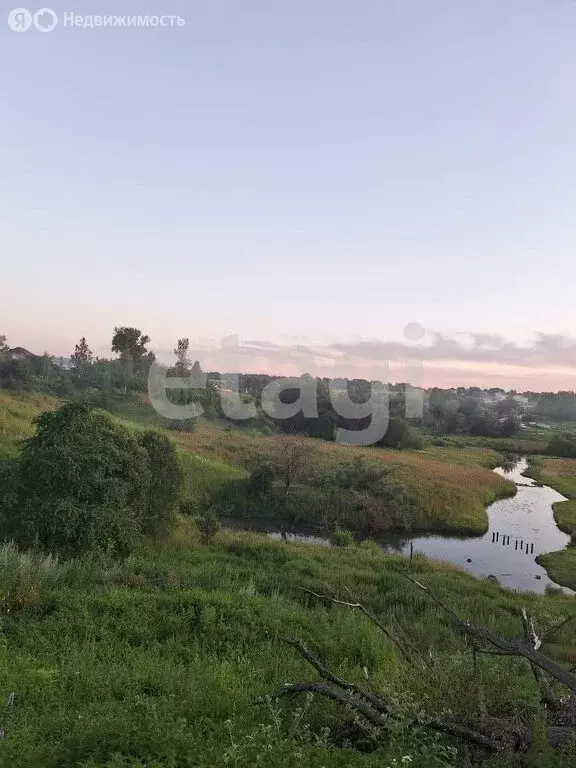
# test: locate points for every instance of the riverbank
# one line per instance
(449, 488)
(559, 474)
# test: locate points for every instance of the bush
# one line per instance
(166, 482)
(83, 484)
(208, 525)
(411, 440)
(562, 445)
(342, 538)
(261, 480)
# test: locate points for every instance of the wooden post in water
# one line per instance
(497, 534)
(531, 549)
(516, 546)
(411, 553)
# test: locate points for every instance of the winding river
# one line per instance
(521, 527)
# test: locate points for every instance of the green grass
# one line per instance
(157, 661)
(561, 566)
(17, 413)
(559, 474)
(450, 486)
(202, 473)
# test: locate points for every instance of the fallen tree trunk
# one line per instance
(488, 734)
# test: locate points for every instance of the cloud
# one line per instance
(547, 362)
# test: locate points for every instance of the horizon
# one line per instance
(314, 178)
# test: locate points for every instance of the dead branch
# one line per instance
(557, 627)
(507, 647)
(375, 701)
(532, 639)
(355, 703)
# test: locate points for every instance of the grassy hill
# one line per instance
(450, 486)
(157, 661)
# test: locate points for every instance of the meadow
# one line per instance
(158, 660)
(451, 487)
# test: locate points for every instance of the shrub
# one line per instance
(189, 507)
(166, 481)
(208, 525)
(562, 445)
(411, 440)
(83, 484)
(342, 538)
(261, 480)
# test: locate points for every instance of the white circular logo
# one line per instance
(20, 20)
(45, 20)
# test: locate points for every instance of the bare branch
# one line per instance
(371, 698)
(508, 647)
(355, 703)
(557, 627)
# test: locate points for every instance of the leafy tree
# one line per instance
(130, 344)
(82, 354)
(166, 482)
(4, 348)
(83, 484)
(509, 426)
(182, 367)
(507, 407)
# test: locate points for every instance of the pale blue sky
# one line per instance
(326, 170)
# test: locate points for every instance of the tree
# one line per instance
(130, 344)
(83, 484)
(291, 456)
(507, 407)
(166, 482)
(82, 354)
(182, 367)
(4, 348)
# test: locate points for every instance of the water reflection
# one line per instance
(521, 527)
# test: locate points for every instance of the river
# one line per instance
(521, 527)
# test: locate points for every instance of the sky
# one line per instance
(312, 178)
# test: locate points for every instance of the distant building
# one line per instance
(65, 363)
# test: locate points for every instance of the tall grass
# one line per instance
(17, 413)
(157, 660)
